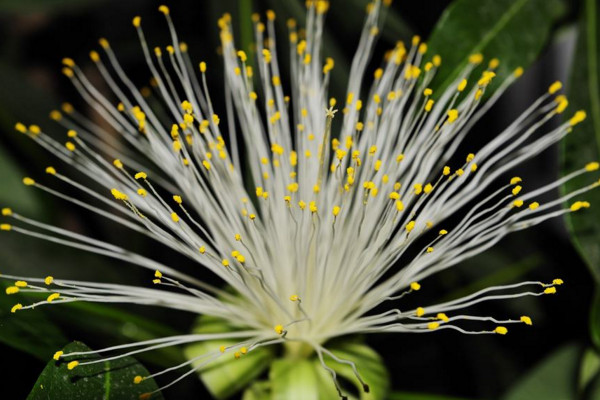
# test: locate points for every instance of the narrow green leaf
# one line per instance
(104, 380)
(29, 331)
(552, 379)
(514, 31)
(583, 144)
(227, 375)
(590, 367)
(595, 319)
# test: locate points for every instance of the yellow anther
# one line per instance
(452, 115)
(57, 355)
(312, 206)
(399, 205)
(68, 62)
(252, 217)
(557, 282)
(550, 290)
(21, 284)
(433, 325)
(158, 274)
(427, 92)
(476, 58)
(240, 258)
(446, 171)
(501, 330)
(70, 146)
(12, 290)
(420, 311)
(103, 43)
(534, 205)
(394, 196)
(164, 9)
(526, 320)
(518, 203)
(202, 249)
(158, 51)
(137, 380)
(6, 212)
(294, 297)
(71, 133)
(443, 317)
(48, 280)
(514, 180)
(360, 126)
(415, 286)
(183, 47)
(486, 78)
(278, 329)
(244, 350)
(276, 81)
(28, 181)
(225, 262)
(137, 20)
(206, 164)
(140, 175)
(222, 349)
(410, 226)
(302, 204)
(237, 355)
(177, 199)
(55, 115)
(518, 72)
(462, 85)
(20, 127)
(460, 172)
(493, 64)
(336, 210)
(562, 102)
(142, 192)
(593, 166)
(516, 190)
(53, 297)
(118, 195)
(577, 118)
(202, 66)
(72, 365)
(428, 188)
(555, 87)
(478, 94)
(418, 188)
(16, 307)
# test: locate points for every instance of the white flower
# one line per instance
(312, 227)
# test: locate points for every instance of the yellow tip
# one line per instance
(137, 20)
(555, 87)
(48, 280)
(28, 181)
(6, 212)
(72, 364)
(577, 118)
(550, 290)
(415, 286)
(5, 227)
(526, 320)
(278, 329)
(138, 379)
(501, 330)
(557, 282)
(164, 9)
(420, 311)
(57, 355)
(16, 307)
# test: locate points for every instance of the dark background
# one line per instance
(34, 39)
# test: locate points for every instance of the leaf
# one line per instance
(552, 379)
(227, 375)
(583, 144)
(514, 31)
(590, 368)
(104, 380)
(595, 319)
(369, 364)
(292, 378)
(29, 331)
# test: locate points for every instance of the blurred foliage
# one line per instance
(512, 31)
(515, 31)
(105, 380)
(584, 144)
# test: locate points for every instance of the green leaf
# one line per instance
(29, 331)
(552, 379)
(227, 375)
(258, 391)
(292, 378)
(514, 31)
(590, 367)
(583, 144)
(104, 380)
(369, 364)
(595, 319)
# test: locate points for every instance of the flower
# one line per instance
(336, 223)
